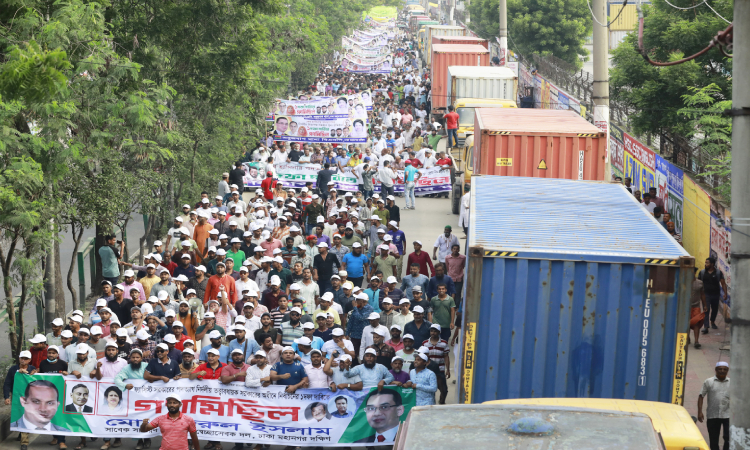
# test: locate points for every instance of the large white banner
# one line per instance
(434, 180)
(342, 107)
(47, 404)
(327, 130)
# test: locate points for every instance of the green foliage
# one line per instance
(545, 27)
(657, 93)
(712, 130)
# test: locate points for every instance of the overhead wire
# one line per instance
(624, 3)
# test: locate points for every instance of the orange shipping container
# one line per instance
(449, 40)
(539, 143)
(444, 55)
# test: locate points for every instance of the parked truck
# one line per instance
(437, 30)
(573, 289)
(540, 143)
(414, 20)
(444, 56)
(461, 40)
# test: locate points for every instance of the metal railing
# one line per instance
(85, 251)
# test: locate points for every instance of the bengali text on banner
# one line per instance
(45, 404)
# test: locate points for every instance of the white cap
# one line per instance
(373, 315)
(388, 300)
(417, 289)
(157, 243)
(215, 334)
(38, 338)
(164, 346)
(170, 313)
(304, 340)
(77, 318)
(83, 348)
(86, 330)
(170, 339)
(338, 332)
(295, 309)
(294, 287)
(423, 356)
(345, 357)
(177, 323)
(435, 326)
(213, 351)
(237, 350)
(202, 268)
(418, 309)
(371, 351)
(356, 245)
(122, 332)
(275, 281)
(96, 329)
(100, 302)
(391, 279)
(322, 244)
(236, 240)
(259, 249)
(328, 296)
(111, 344)
(153, 299)
(25, 354)
(387, 237)
(129, 273)
(163, 295)
(418, 242)
(308, 326)
(208, 315)
(261, 353)
(66, 334)
(404, 301)
(379, 332)
(142, 335)
(189, 351)
(58, 322)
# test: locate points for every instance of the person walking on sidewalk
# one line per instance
(717, 409)
(713, 283)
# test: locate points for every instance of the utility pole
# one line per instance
(503, 37)
(601, 75)
(739, 390)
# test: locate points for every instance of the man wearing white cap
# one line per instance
(174, 426)
(717, 414)
(325, 265)
(54, 337)
(259, 374)
(24, 366)
(129, 284)
(220, 279)
(371, 373)
(82, 365)
(367, 333)
(120, 306)
(423, 380)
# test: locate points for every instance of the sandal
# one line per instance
(52, 442)
(117, 443)
(63, 446)
(105, 446)
(697, 345)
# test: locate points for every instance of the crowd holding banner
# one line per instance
(223, 412)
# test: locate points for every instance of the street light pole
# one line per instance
(503, 36)
(739, 390)
(601, 75)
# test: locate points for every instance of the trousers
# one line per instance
(715, 427)
(712, 303)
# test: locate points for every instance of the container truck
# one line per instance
(413, 20)
(461, 40)
(444, 56)
(573, 289)
(438, 30)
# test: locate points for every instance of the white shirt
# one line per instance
(367, 339)
(317, 378)
(379, 146)
(463, 218)
(398, 145)
(717, 406)
(650, 207)
(309, 292)
(240, 285)
(280, 157)
(261, 156)
(386, 176)
(385, 158)
(330, 347)
(239, 204)
(254, 374)
(429, 161)
(252, 324)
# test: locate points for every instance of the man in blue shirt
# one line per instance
(356, 265)
(288, 372)
(215, 337)
(162, 368)
(248, 345)
(440, 277)
(398, 238)
(411, 175)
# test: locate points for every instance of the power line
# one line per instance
(611, 21)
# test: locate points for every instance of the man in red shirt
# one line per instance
(174, 426)
(209, 370)
(451, 124)
(421, 258)
(221, 278)
(268, 186)
(444, 161)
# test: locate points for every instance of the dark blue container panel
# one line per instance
(551, 328)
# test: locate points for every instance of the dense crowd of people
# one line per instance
(304, 288)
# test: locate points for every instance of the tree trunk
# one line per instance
(77, 235)
(96, 282)
(59, 289)
(123, 233)
(6, 257)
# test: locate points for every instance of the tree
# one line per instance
(712, 131)
(544, 27)
(657, 93)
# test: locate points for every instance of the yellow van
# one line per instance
(672, 422)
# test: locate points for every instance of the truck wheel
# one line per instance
(455, 199)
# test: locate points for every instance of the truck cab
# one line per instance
(463, 154)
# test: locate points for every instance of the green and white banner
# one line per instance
(57, 405)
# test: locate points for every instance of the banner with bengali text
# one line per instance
(350, 66)
(222, 412)
(322, 130)
(339, 107)
(294, 175)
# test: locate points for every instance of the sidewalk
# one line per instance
(701, 363)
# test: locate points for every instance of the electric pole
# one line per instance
(739, 390)
(503, 37)
(601, 75)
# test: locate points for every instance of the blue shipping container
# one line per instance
(572, 290)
